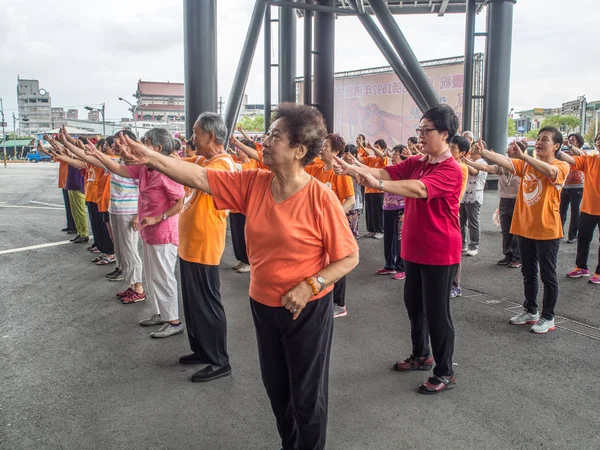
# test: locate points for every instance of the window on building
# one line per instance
(43, 100)
(171, 101)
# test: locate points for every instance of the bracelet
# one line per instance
(381, 185)
(312, 285)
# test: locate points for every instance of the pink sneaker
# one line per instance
(385, 271)
(578, 273)
(595, 279)
(399, 276)
(133, 297)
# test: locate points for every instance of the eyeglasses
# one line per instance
(423, 131)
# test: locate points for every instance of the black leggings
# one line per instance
(102, 238)
(237, 223)
(587, 226)
(374, 212)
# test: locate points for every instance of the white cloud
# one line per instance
(92, 52)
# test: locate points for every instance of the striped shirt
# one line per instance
(123, 195)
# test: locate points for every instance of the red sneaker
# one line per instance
(414, 363)
(385, 271)
(124, 293)
(134, 297)
(399, 276)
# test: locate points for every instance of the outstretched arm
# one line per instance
(191, 175)
(253, 154)
(489, 168)
(341, 167)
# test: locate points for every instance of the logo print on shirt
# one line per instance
(190, 194)
(328, 184)
(532, 189)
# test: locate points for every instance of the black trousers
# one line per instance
(427, 300)
(510, 243)
(102, 238)
(573, 198)
(204, 314)
(374, 212)
(391, 242)
(70, 221)
(544, 253)
(339, 292)
(237, 222)
(587, 226)
(294, 364)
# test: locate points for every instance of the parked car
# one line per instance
(34, 157)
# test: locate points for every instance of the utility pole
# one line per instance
(221, 103)
(3, 126)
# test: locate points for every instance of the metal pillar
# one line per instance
(236, 95)
(324, 60)
(308, 50)
(287, 54)
(200, 59)
(467, 112)
(399, 42)
(391, 57)
(497, 74)
(267, 67)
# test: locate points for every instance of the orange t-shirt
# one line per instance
(360, 151)
(590, 165)
(289, 241)
(104, 189)
(465, 174)
(63, 171)
(93, 175)
(377, 163)
(202, 228)
(537, 211)
(341, 185)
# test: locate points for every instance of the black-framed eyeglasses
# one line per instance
(423, 131)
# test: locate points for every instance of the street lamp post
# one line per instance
(133, 110)
(3, 125)
(101, 111)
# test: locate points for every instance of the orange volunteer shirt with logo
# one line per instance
(341, 185)
(537, 211)
(104, 190)
(93, 175)
(590, 165)
(201, 227)
(377, 163)
(288, 241)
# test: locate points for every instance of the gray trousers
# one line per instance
(469, 218)
(126, 247)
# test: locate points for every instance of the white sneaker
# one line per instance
(244, 268)
(339, 311)
(525, 318)
(378, 236)
(167, 330)
(472, 252)
(543, 325)
(154, 319)
(238, 265)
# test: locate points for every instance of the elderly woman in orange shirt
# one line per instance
(343, 188)
(299, 245)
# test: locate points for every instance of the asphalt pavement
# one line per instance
(78, 372)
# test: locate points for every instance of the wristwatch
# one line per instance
(321, 281)
(164, 216)
(381, 185)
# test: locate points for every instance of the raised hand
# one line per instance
(406, 152)
(514, 151)
(132, 152)
(91, 150)
(367, 180)
(341, 167)
(67, 136)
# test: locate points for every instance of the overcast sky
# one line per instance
(87, 53)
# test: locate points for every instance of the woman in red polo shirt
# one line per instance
(431, 241)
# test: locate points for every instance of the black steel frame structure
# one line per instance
(491, 101)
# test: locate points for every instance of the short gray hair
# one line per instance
(160, 137)
(210, 121)
(468, 134)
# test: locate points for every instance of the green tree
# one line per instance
(252, 123)
(512, 127)
(531, 134)
(566, 124)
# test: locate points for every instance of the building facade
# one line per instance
(161, 102)
(73, 114)
(35, 106)
(59, 117)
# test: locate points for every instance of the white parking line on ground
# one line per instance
(47, 204)
(32, 207)
(33, 247)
